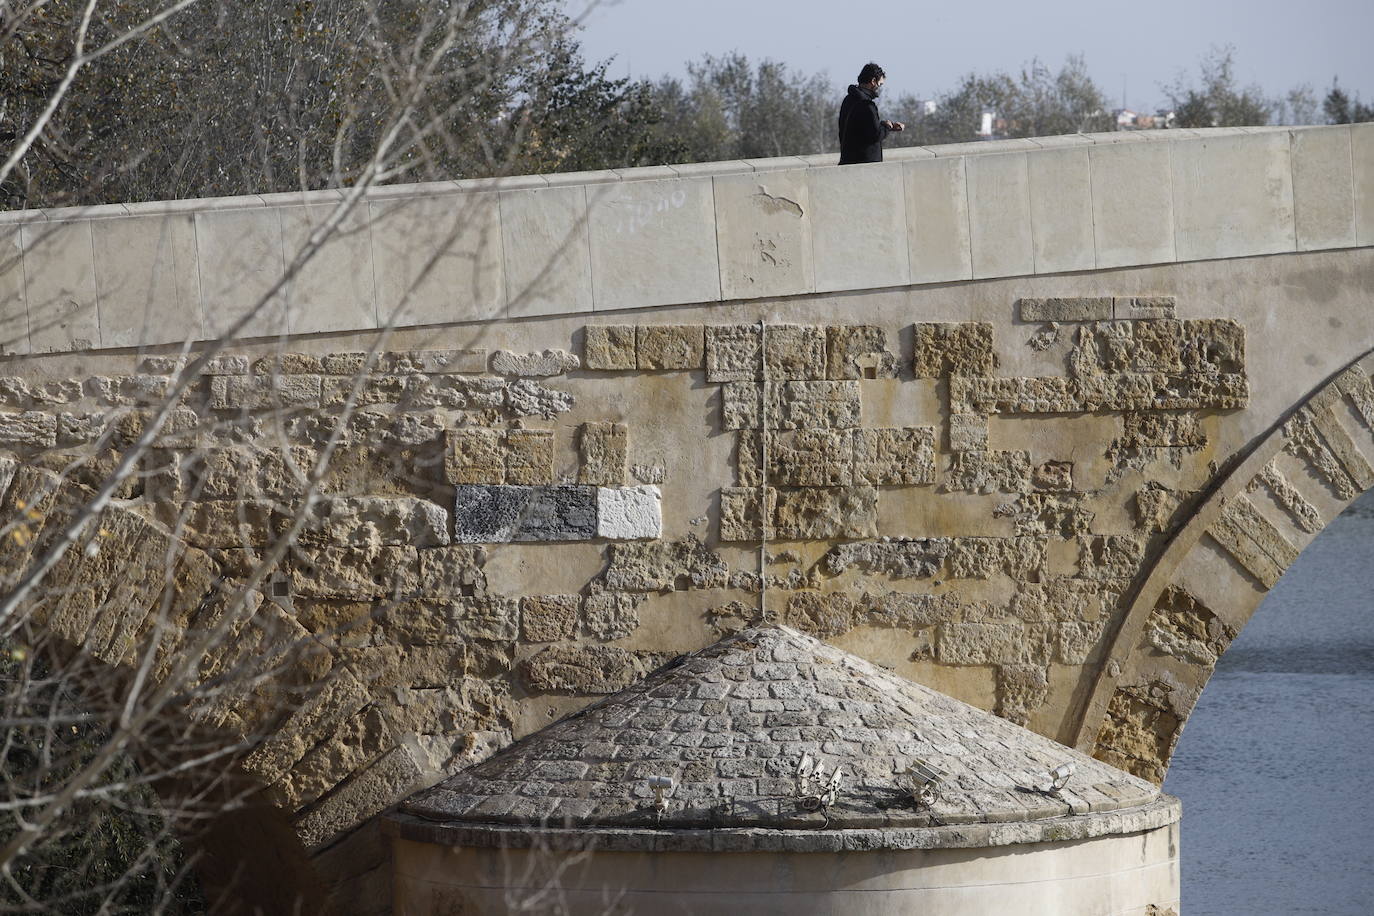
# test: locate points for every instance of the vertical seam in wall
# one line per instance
(1030, 213)
(200, 282)
(1354, 198)
(1293, 193)
(372, 250)
(1092, 204)
(505, 263)
(95, 284)
(286, 290)
(24, 284)
(1173, 202)
(715, 231)
(906, 226)
(968, 215)
(591, 262)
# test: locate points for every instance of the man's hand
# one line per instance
(894, 125)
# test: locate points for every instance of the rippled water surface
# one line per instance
(1276, 765)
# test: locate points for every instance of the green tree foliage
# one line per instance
(1340, 108)
(1218, 101)
(252, 97)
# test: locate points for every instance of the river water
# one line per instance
(1276, 764)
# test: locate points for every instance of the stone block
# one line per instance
(493, 617)
(1133, 203)
(653, 243)
(427, 246)
(609, 347)
(1323, 190)
(452, 572)
(811, 458)
(827, 405)
(386, 781)
(1109, 556)
(326, 708)
(264, 392)
(146, 280)
(552, 224)
(954, 348)
(968, 432)
(603, 453)
(1362, 159)
(549, 362)
(1020, 558)
(488, 514)
(1061, 210)
(999, 215)
(821, 513)
(894, 457)
(562, 513)
(585, 669)
(671, 346)
(1089, 308)
(763, 232)
(549, 618)
(821, 615)
(629, 513)
(529, 456)
(475, 455)
(936, 193)
(794, 352)
(993, 643)
(32, 429)
(989, 472)
(14, 310)
(1217, 216)
(1132, 307)
(857, 351)
(528, 398)
(865, 202)
(740, 516)
(353, 572)
(732, 353)
(333, 290)
(364, 521)
(240, 258)
(60, 286)
(664, 565)
(611, 616)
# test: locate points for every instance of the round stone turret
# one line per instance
(735, 749)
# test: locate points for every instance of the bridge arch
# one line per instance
(1230, 550)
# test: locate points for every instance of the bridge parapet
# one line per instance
(130, 275)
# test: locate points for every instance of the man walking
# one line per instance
(861, 131)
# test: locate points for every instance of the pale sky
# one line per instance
(925, 47)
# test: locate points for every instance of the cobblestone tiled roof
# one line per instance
(729, 725)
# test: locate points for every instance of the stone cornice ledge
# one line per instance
(130, 275)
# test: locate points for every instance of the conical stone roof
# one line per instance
(729, 725)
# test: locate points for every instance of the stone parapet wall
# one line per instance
(160, 273)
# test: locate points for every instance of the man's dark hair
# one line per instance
(871, 72)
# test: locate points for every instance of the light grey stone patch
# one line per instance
(1089, 308)
(31, 429)
(549, 362)
(488, 514)
(629, 513)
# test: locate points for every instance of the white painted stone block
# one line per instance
(858, 227)
(240, 254)
(629, 513)
(999, 215)
(653, 243)
(548, 259)
(1061, 209)
(1362, 160)
(763, 231)
(438, 258)
(147, 280)
(1133, 216)
(59, 286)
(1233, 196)
(937, 219)
(335, 290)
(1323, 192)
(14, 311)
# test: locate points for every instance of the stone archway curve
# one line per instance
(1219, 566)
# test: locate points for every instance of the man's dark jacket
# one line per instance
(861, 132)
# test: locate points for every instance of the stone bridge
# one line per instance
(1036, 423)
